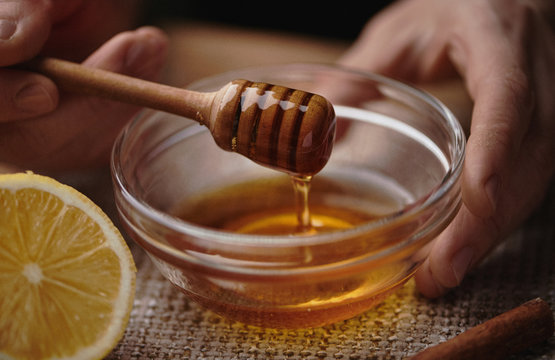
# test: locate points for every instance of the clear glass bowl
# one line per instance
(390, 187)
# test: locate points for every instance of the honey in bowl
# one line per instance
(231, 235)
(283, 205)
(278, 206)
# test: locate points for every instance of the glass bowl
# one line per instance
(208, 217)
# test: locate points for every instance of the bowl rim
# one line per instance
(446, 184)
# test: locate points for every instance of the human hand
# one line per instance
(42, 128)
(505, 53)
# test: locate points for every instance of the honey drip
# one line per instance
(267, 206)
(277, 206)
(301, 187)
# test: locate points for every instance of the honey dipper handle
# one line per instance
(105, 84)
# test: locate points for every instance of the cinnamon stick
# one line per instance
(511, 332)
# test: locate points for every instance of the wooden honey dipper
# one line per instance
(286, 129)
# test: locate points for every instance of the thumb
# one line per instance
(81, 130)
(24, 28)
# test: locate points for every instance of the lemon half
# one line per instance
(67, 277)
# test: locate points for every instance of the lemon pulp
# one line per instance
(66, 275)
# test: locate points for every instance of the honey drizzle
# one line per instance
(301, 186)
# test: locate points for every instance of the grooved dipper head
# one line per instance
(282, 128)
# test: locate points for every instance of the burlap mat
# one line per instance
(165, 325)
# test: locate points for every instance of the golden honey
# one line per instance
(276, 206)
(245, 247)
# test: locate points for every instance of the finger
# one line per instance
(393, 43)
(384, 44)
(493, 62)
(24, 95)
(461, 246)
(469, 238)
(139, 53)
(492, 58)
(24, 27)
(82, 130)
(499, 122)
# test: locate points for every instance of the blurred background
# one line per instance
(209, 38)
(341, 20)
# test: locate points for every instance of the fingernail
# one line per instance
(492, 187)
(7, 29)
(461, 262)
(34, 98)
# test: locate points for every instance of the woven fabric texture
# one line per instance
(164, 324)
